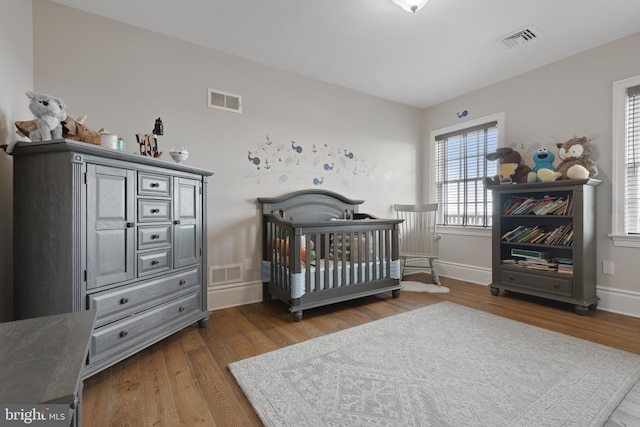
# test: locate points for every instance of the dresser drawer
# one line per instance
(154, 262)
(135, 329)
(555, 285)
(116, 303)
(154, 236)
(150, 184)
(154, 210)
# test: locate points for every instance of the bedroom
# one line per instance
(294, 108)
(288, 107)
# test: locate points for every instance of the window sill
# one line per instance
(625, 240)
(465, 231)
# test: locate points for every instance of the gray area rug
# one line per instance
(441, 365)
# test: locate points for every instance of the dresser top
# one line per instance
(41, 359)
(59, 145)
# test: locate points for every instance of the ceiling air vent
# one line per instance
(225, 101)
(521, 36)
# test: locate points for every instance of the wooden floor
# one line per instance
(184, 380)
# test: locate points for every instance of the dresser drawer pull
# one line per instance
(511, 277)
(155, 211)
(155, 262)
(124, 334)
(182, 282)
(124, 300)
(130, 225)
(154, 185)
(155, 236)
(556, 285)
(181, 309)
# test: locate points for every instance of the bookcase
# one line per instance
(543, 241)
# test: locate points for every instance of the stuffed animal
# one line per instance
(548, 175)
(543, 171)
(510, 168)
(574, 159)
(71, 129)
(49, 112)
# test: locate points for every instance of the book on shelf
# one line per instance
(565, 265)
(547, 205)
(528, 253)
(559, 236)
(531, 263)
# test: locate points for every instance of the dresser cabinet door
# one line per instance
(187, 217)
(110, 225)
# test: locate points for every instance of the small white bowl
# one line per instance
(179, 155)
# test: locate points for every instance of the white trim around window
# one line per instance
(430, 178)
(619, 234)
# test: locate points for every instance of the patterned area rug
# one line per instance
(441, 365)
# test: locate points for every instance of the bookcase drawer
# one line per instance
(554, 285)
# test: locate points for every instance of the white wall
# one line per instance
(124, 77)
(549, 105)
(16, 77)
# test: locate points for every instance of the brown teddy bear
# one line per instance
(510, 168)
(574, 159)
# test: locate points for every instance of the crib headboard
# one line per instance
(310, 205)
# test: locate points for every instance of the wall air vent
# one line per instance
(521, 36)
(225, 274)
(225, 101)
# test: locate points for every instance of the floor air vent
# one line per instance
(225, 274)
(520, 37)
(225, 101)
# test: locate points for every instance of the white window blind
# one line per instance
(461, 167)
(632, 161)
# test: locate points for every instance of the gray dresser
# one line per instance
(124, 234)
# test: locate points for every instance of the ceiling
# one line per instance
(447, 49)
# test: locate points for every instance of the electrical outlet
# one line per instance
(248, 264)
(607, 267)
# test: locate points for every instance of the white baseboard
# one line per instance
(619, 301)
(468, 273)
(232, 295)
(611, 299)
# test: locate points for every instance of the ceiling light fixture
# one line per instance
(411, 5)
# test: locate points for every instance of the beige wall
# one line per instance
(16, 77)
(549, 105)
(124, 77)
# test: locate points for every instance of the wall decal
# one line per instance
(465, 113)
(310, 163)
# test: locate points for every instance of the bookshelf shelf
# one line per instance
(543, 241)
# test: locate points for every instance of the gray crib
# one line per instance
(318, 250)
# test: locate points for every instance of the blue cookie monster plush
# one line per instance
(543, 159)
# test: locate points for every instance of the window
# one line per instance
(460, 168)
(626, 162)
